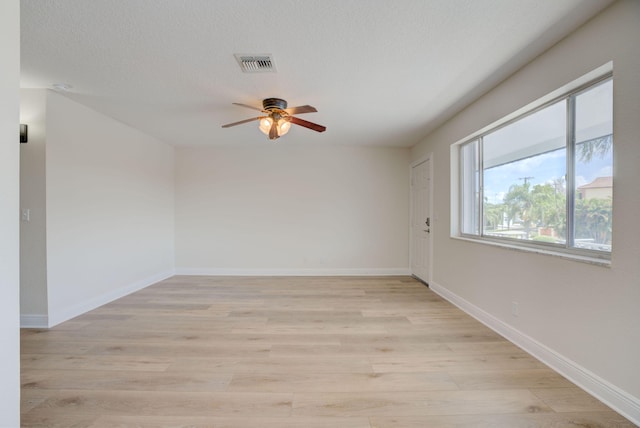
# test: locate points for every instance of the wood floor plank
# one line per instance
(417, 403)
(312, 329)
(455, 361)
(520, 420)
(361, 349)
(154, 403)
(228, 422)
(313, 352)
(569, 399)
(33, 420)
(190, 349)
(31, 399)
(341, 382)
(484, 348)
(510, 379)
(109, 380)
(95, 362)
(55, 347)
(302, 364)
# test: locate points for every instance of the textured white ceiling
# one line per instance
(380, 73)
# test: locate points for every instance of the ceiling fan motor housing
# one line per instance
(274, 103)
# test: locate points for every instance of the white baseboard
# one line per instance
(619, 400)
(73, 311)
(294, 272)
(34, 321)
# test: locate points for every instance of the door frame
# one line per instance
(425, 158)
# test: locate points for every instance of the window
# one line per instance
(545, 178)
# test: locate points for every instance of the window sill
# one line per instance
(549, 252)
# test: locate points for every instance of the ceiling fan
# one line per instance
(278, 117)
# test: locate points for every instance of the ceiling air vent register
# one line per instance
(256, 63)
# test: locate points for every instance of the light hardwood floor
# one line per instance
(290, 352)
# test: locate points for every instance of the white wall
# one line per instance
(110, 209)
(9, 208)
(292, 209)
(33, 257)
(583, 318)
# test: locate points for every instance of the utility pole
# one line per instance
(526, 179)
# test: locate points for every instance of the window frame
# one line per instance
(568, 94)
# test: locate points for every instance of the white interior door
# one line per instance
(421, 220)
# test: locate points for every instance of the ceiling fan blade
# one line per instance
(273, 132)
(247, 106)
(301, 109)
(310, 125)
(228, 125)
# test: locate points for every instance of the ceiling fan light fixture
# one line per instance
(283, 127)
(265, 125)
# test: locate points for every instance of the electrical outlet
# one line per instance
(514, 309)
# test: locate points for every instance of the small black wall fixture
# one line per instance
(24, 133)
